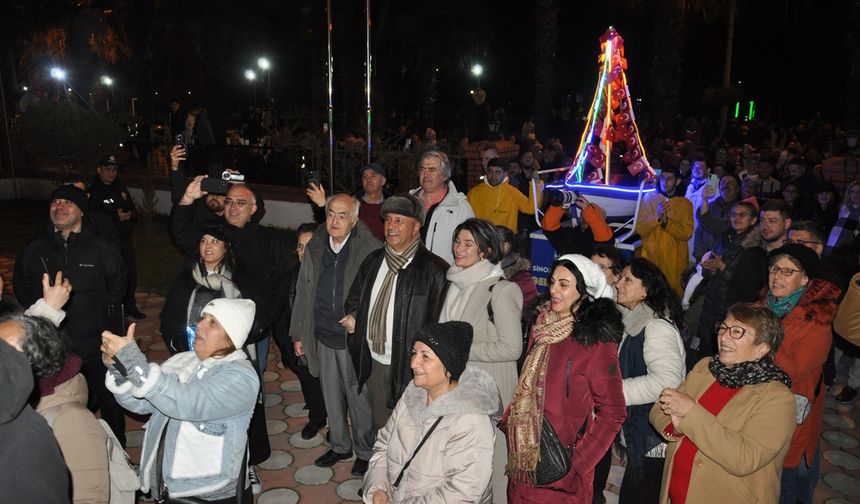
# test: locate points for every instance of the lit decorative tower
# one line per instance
(611, 123)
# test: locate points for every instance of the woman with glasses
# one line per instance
(735, 271)
(729, 424)
(806, 305)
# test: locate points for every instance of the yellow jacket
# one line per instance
(666, 246)
(501, 204)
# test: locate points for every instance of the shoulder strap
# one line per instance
(490, 314)
(424, 440)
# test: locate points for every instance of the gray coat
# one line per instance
(362, 243)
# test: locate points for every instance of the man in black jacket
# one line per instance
(97, 273)
(399, 289)
(112, 198)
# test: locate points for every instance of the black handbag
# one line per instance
(554, 462)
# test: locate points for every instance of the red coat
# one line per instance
(579, 380)
(802, 355)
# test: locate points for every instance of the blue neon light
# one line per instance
(598, 187)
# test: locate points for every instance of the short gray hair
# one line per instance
(356, 205)
(444, 163)
(44, 345)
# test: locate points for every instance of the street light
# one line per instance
(107, 81)
(252, 78)
(477, 70)
(58, 73)
(265, 66)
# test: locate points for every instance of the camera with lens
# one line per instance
(562, 198)
(215, 185)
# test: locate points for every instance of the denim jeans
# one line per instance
(798, 483)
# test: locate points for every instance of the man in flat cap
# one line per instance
(399, 289)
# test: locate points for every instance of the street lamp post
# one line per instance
(252, 77)
(59, 75)
(107, 81)
(477, 70)
(264, 65)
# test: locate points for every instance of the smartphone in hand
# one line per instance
(116, 319)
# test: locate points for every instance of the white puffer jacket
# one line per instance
(449, 213)
(455, 464)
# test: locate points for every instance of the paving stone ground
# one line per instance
(290, 476)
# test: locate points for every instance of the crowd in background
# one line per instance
(422, 343)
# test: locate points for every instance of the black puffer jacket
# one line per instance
(418, 299)
(741, 281)
(175, 311)
(259, 252)
(96, 271)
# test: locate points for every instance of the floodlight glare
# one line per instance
(58, 73)
(264, 64)
(477, 70)
(250, 75)
(107, 81)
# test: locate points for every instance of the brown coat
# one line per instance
(82, 440)
(847, 321)
(741, 450)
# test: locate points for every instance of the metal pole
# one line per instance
(368, 73)
(330, 103)
(8, 137)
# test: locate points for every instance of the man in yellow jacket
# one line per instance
(666, 225)
(499, 202)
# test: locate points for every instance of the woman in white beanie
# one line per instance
(569, 396)
(201, 402)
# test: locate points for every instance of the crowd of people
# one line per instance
(421, 341)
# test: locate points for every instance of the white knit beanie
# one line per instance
(236, 316)
(595, 280)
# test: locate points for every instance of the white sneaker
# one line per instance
(256, 484)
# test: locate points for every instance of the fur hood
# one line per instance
(476, 392)
(751, 239)
(819, 302)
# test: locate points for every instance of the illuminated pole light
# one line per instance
(26, 88)
(252, 77)
(265, 66)
(58, 73)
(477, 71)
(107, 81)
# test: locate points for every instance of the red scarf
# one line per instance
(713, 400)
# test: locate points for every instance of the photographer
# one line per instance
(591, 225)
(211, 212)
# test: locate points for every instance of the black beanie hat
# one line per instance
(451, 342)
(804, 256)
(74, 194)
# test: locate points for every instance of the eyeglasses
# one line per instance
(431, 169)
(786, 272)
(800, 242)
(736, 332)
(740, 214)
(238, 203)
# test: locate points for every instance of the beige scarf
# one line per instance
(395, 262)
(526, 410)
